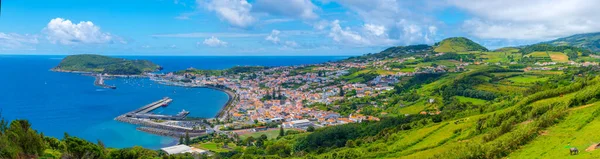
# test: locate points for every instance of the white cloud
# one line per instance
(377, 30)
(273, 37)
(386, 22)
(530, 20)
(303, 9)
(320, 25)
(369, 35)
(63, 31)
(13, 41)
(214, 42)
(345, 35)
(235, 12)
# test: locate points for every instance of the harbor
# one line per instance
(165, 125)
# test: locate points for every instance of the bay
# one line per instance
(56, 102)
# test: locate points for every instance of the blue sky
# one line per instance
(280, 27)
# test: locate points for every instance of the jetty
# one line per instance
(100, 82)
(144, 117)
(145, 111)
(150, 107)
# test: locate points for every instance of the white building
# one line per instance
(181, 149)
(298, 124)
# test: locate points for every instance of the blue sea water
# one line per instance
(56, 102)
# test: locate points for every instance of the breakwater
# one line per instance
(99, 81)
(148, 123)
(141, 117)
(171, 133)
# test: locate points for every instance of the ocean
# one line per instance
(56, 102)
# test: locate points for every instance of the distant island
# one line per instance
(88, 63)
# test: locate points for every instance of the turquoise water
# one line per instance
(56, 103)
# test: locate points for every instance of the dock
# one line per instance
(145, 111)
(144, 117)
(154, 105)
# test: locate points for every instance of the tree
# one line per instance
(341, 91)
(101, 144)
(281, 132)
(180, 140)
(249, 141)
(187, 138)
(310, 128)
(79, 148)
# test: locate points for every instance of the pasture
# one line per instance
(538, 54)
(558, 57)
(475, 101)
(555, 141)
(271, 134)
(214, 147)
(526, 79)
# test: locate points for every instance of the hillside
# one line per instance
(526, 102)
(232, 70)
(458, 44)
(589, 41)
(105, 64)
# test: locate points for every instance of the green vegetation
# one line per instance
(104, 64)
(233, 70)
(271, 134)
(471, 100)
(458, 44)
(589, 41)
(360, 76)
(496, 107)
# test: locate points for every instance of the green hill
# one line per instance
(589, 41)
(458, 44)
(105, 64)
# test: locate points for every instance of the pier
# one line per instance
(150, 107)
(143, 117)
(144, 112)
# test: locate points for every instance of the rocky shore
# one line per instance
(151, 124)
(170, 133)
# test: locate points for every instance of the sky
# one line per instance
(280, 27)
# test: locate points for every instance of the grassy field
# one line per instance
(538, 54)
(527, 79)
(499, 88)
(494, 57)
(555, 141)
(447, 47)
(447, 63)
(472, 100)
(271, 134)
(385, 72)
(413, 109)
(214, 147)
(558, 57)
(407, 69)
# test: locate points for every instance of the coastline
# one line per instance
(159, 129)
(232, 96)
